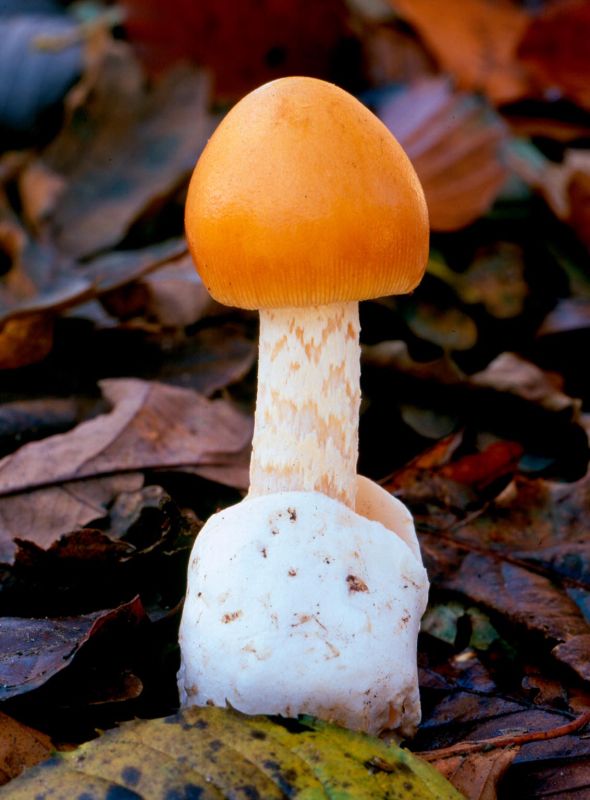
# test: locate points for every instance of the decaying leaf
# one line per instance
(475, 40)
(34, 79)
(392, 53)
(124, 151)
(176, 296)
(211, 359)
(510, 372)
(40, 285)
(151, 425)
(216, 753)
(449, 328)
(475, 775)
(519, 558)
(565, 186)
(25, 340)
(249, 44)
(455, 142)
(529, 601)
(20, 747)
(34, 650)
(555, 48)
(50, 487)
(43, 515)
(25, 420)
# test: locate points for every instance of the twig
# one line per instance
(508, 740)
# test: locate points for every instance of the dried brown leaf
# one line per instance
(25, 340)
(34, 650)
(555, 49)
(496, 279)
(565, 186)
(474, 40)
(475, 775)
(151, 425)
(511, 373)
(124, 151)
(528, 600)
(534, 516)
(212, 359)
(22, 421)
(394, 354)
(39, 190)
(394, 56)
(449, 328)
(244, 44)
(49, 487)
(20, 747)
(455, 141)
(574, 653)
(176, 296)
(43, 515)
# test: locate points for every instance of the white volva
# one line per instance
(297, 604)
(307, 407)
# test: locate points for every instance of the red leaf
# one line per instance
(37, 649)
(481, 469)
(244, 43)
(555, 48)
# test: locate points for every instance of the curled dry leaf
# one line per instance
(34, 650)
(37, 276)
(565, 186)
(126, 150)
(455, 141)
(52, 486)
(475, 40)
(41, 285)
(176, 295)
(394, 354)
(511, 373)
(119, 267)
(43, 515)
(574, 653)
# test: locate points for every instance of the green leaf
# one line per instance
(213, 753)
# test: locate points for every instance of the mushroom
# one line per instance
(307, 596)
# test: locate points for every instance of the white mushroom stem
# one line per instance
(307, 409)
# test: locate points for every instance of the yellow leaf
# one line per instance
(213, 753)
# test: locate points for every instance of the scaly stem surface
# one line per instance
(307, 409)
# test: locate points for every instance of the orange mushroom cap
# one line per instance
(303, 197)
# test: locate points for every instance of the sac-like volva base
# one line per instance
(296, 604)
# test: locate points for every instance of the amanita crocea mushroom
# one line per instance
(306, 596)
